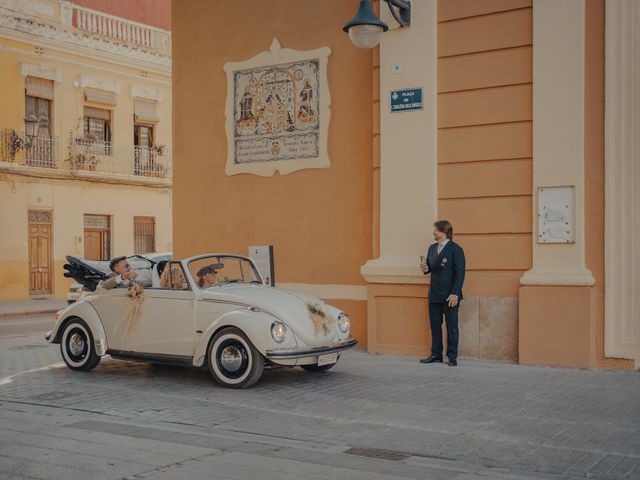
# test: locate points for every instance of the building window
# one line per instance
(143, 136)
(97, 237)
(38, 103)
(144, 234)
(97, 124)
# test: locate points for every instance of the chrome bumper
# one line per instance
(311, 351)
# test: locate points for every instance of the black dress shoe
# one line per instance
(452, 362)
(431, 359)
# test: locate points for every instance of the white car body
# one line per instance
(186, 326)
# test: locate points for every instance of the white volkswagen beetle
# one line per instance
(235, 325)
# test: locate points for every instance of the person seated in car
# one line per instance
(172, 277)
(156, 273)
(120, 273)
(207, 276)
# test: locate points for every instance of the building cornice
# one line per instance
(37, 32)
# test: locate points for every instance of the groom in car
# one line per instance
(121, 271)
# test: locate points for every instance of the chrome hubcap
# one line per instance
(231, 358)
(76, 344)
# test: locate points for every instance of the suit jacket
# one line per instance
(447, 271)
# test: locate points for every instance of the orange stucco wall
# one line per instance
(319, 220)
(485, 137)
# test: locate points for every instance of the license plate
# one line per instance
(327, 359)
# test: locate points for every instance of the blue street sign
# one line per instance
(406, 100)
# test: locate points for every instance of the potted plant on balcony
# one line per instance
(158, 149)
(83, 161)
(156, 169)
(83, 155)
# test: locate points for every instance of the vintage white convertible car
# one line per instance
(236, 325)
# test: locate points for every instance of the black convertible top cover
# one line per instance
(83, 273)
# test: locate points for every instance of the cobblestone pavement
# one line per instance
(479, 420)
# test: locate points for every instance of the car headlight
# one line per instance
(344, 323)
(278, 331)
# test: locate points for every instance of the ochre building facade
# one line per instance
(519, 109)
(92, 177)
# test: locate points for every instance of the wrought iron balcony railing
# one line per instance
(78, 154)
(38, 151)
(115, 158)
(41, 152)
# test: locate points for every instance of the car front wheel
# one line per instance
(233, 360)
(77, 346)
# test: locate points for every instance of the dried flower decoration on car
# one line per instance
(322, 321)
(134, 309)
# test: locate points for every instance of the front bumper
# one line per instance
(302, 352)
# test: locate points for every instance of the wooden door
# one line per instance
(39, 253)
(93, 246)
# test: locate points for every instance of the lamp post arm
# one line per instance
(403, 15)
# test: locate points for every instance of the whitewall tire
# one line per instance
(77, 346)
(233, 360)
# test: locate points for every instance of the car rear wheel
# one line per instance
(233, 360)
(77, 346)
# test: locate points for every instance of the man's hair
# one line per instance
(114, 262)
(206, 269)
(445, 227)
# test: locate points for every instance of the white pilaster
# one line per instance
(558, 133)
(408, 149)
(622, 179)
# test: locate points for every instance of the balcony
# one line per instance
(119, 159)
(85, 158)
(61, 23)
(120, 29)
(37, 152)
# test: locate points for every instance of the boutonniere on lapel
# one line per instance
(443, 263)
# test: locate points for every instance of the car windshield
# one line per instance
(217, 270)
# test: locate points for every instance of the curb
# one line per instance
(23, 313)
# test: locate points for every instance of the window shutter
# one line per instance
(100, 96)
(39, 87)
(145, 112)
(97, 113)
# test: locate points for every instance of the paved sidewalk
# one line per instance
(517, 420)
(31, 307)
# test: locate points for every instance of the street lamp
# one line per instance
(31, 126)
(365, 29)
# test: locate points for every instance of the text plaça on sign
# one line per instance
(406, 100)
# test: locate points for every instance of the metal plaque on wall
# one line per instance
(555, 215)
(406, 100)
(262, 256)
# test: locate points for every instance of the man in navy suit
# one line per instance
(445, 262)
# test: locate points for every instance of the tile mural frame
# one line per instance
(283, 150)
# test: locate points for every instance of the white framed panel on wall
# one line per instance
(622, 179)
(555, 215)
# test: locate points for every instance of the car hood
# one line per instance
(313, 328)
